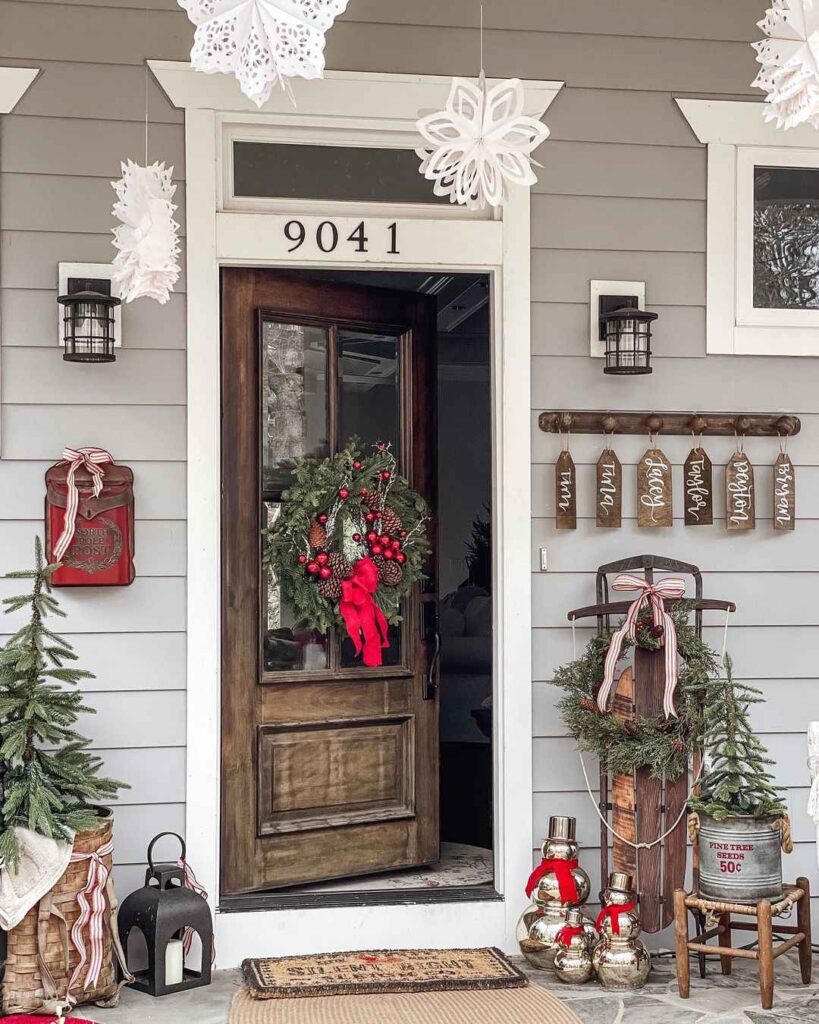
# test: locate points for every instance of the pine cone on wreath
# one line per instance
(391, 522)
(373, 501)
(330, 589)
(390, 573)
(588, 704)
(317, 537)
(342, 569)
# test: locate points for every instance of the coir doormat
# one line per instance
(531, 1005)
(379, 970)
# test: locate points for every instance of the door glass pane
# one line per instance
(333, 173)
(288, 645)
(294, 398)
(369, 384)
(389, 655)
(370, 410)
(786, 237)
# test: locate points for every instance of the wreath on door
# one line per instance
(348, 544)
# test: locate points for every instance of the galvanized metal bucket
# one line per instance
(740, 859)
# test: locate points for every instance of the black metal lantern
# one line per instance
(88, 326)
(627, 334)
(163, 910)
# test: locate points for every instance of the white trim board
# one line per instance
(375, 100)
(736, 133)
(13, 85)
(379, 110)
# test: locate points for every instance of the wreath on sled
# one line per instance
(664, 745)
(348, 544)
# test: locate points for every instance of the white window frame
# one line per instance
(738, 139)
(383, 108)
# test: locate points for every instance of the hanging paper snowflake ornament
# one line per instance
(481, 142)
(790, 62)
(147, 238)
(261, 42)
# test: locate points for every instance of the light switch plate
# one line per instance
(598, 288)
(544, 562)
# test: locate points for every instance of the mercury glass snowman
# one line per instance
(573, 956)
(621, 960)
(557, 886)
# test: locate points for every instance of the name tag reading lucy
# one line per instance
(565, 492)
(784, 493)
(698, 491)
(740, 498)
(609, 490)
(654, 505)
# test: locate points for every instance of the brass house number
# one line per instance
(329, 236)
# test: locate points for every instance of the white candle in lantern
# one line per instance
(174, 962)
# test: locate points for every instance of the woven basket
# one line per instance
(42, 933)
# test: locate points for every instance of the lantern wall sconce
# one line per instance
(627, 333)
(90, 314)
(621, 339)
(167, 912)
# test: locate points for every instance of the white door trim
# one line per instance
(375, 104)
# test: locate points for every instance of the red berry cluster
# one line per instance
(386, 546)
(318, 565)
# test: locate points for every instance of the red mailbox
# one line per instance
(89, 519)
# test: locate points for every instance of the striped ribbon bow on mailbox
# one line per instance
(653, 595)
(92, 918)
(92, 459)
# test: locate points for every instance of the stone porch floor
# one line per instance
(716, 1000)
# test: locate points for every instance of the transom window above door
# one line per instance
(262, 172)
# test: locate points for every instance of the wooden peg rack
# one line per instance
(572, 421)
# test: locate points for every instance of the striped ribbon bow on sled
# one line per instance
(654, 595)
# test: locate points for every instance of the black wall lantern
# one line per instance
(163, 909)
(88, 322)
(626, 332)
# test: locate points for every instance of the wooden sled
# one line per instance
(637, 806)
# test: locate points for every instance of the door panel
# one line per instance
(328, 769)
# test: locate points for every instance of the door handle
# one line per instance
(430, 685)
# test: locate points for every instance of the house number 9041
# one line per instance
(329, 238)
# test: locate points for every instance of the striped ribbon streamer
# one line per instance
(191, 882)
(92, 459)
(92, 917)
(653, 595)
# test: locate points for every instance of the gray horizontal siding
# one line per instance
(621, 194)
(70, 204)
(30, 319)
(59, 153)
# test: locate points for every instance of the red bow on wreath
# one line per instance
(362, 616)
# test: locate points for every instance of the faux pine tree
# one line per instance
(50, 779)
(737, 780)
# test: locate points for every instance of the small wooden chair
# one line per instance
(764, 911)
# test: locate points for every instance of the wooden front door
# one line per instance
(329, 769)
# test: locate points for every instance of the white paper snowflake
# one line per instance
(790, 62)
(147, 238)
(481, 141)
(261, 42)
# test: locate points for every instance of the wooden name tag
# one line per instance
(654, 505)
(784, 494)
(740, 500)
(698, 489)
(565, 493)
(609, 490)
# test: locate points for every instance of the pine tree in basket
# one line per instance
(50, 779)
(736, 780)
